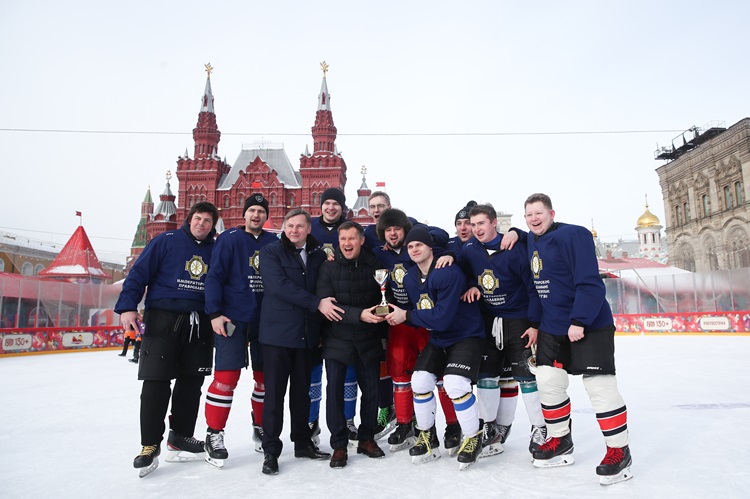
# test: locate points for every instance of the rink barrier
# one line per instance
(696, 323)
(29, 341)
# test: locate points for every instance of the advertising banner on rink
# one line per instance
(49, 339)
(690, 323)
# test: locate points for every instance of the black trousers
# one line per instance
(155, 396)
(367, 379)
(282, 365)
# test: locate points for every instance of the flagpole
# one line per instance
(80, 217)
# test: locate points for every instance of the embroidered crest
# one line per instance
(424, 302)
(397, 274)
(536, 264)
(255, 261)
(259, 198)
(488, 281)
(196, 267)
(328, 248)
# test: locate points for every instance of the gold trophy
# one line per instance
(381, 276)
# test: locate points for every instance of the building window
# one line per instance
(27, 269)
(678, 215)
(738, 195)
(38, 268)
(2, 265)
(240, 200)
(273, 199)
(727, 197)
(706, 207)
(291, 200)
(226, 201)
(687, 212)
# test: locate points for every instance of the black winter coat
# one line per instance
(353, 285)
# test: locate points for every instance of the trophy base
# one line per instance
(382, 310)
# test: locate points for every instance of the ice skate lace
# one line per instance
(469, 445)
(424, 440)
(192, 441)
(538, 434)
(552, 443)
(148, 450)
(217, 440)
(503, 430)
(614, 456)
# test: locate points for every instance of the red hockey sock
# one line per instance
(447, 404)
(259, 392)
(219, 398)
(403, 400)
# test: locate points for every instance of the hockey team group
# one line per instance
(397, 309)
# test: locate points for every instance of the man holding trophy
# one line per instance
(354, 339)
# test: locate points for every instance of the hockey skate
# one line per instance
(452, 438)
(183, 449)
(315, 436)
(556, 451)
(468, 454)
(538, 437)
(615, 466)
(257, 435)
(352, 432)
(216, 452)
(492, 439)
(427, 447)
(386, 422)
(403, 437)
(148, 460)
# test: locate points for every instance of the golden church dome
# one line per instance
(648, 219)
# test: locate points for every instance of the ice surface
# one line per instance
(70, 429)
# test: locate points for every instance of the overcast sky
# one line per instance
(443, 101)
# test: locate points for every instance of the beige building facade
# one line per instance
(705, 199)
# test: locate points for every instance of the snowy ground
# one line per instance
(71, 430)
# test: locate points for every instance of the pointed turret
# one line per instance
(165, 214)
(206, 134)
(324, 131)
(360, 211)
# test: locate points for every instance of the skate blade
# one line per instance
(142, 472)
(492, 450)
(406, 444)
(385, 431)
(625, 474)
(259, 447)
(426, 458)
(463, 466)
(554, 462)
(182, 456)
(217, 463)
(452, 451)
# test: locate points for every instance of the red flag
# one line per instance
(78, 214)
(379, 184)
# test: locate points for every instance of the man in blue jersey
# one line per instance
(576, 336)
(234, 290)
(453, 352)
(501, 281)
(177, 342)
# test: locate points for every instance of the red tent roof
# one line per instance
(77, 259)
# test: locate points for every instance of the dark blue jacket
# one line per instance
(289, 313)
(173, 266)
(566, 276)
(234, 287)
(436, 305)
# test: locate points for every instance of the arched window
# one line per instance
(291, 200)
(226, 201)
(240, 199)
(38, 268)
(2, 265)
(273, 199)
(27, 269)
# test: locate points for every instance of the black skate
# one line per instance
(504, 432)
(315, 428)
(556, 451)
(468, 454)
(452, 438)
(615, 466)
(257, 435)
(492, 439)
(352, 432)
(538, 437)
(386, 421)
(216, 452)
(183, 449)
(403, 437)
(148, 460)
(427, 447)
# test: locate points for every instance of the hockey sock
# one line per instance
(403, 401)
(219, 398)
(316, 392)
(423, 384)
(447, 404)
(154, 403)
(464, 401)
(186, 401)
(350, 392)
(256, 400)
(611, 413)
(530, 396)
(488, 396)
(506, 411)
(553, 385)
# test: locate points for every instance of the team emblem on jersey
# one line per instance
(424, 302)
(255, 261)
(196, 267)
(328, 248)
(536, 264)
(397, 274)
(488, 281)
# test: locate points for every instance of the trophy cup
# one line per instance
(381, 276)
